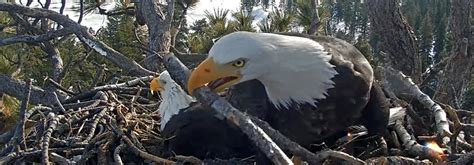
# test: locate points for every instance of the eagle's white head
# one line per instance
(293, 69)
(174, 98)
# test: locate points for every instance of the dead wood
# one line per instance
(412, 146)
(19, 130)
(296, 149)
(132, 146)
(117, 151)
(395, 160)
(404, 88)
(52, 124)
(467, 158)
(18, 90)
(61, 160)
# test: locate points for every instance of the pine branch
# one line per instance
(82, 33)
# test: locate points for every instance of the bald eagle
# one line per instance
(193, 130)
(317, 85)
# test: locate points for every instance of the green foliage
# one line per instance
(281, 20)
(198, 26)
(303, 13)
(426, 42)
(217, 26)
(277, 21)
(10, 106)
(120, 35)
(243, 21)
(364, 47)
(429, 18)
(468, 102)
(6, 67)
(266, 26)
(219, 16)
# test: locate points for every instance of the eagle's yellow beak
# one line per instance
(219, 76)
(155, 85)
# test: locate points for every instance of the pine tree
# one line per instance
(426, 41)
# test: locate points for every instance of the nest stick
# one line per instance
(93, 91)
(117, 150)
(467, 158)
(52, 124)
(8, 158)
(132, 146)
(404, 88)
(103, 151)
(58, 86)
(20, 129)
(94, 124)
(296, 149)
(395, 160)
(98, 75)
(61, 107)
(61, 160)
(412, 146)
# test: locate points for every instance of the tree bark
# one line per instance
(315, 21)
(56, 60)
(458, 72)
(159, 26)
(18, 89)
(398, 40)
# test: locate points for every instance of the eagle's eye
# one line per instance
(239, 63)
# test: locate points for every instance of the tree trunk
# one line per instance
(397, 37)
(159, 26)
(178, 27)
(56, 60)
(315, 21)
(458, 71)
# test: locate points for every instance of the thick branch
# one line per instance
(412, 146)
(404, 88)
(296, 149)
(55, 59)
(35, 39)
(18, 89)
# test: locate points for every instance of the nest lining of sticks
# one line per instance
(117, 123)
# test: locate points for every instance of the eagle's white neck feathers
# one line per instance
(293, 69)
(174, 98)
